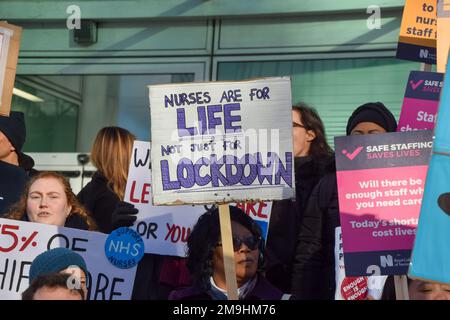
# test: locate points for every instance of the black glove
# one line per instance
(124, 215)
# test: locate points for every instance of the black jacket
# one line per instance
(286, 218)
(12, 184)
(100, 201)
(314, 263)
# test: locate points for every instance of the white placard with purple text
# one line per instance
(220, 142)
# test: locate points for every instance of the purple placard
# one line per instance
(421, 101)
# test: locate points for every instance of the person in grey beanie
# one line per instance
(13, 177)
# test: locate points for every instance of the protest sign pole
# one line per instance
(228, 252)
(425, 67)
(401, 288)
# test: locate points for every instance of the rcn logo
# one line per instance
(386, 261)
(423, 53)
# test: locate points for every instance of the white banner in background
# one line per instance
(21, 242)
(165, 229)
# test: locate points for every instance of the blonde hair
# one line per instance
(19, 210)
(111, 154)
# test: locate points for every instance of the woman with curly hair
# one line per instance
(48, 199)
(205, 260)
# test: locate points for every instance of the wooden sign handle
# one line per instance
(401, 288)
(228, 252)
(425, 67)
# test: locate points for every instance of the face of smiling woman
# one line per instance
(47, 202)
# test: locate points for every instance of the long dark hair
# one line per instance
(311, 121)
(204, 238)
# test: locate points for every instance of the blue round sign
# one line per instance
(124, 248)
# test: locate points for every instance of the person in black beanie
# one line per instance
(314, 261)
(370, 118)
(13, 177)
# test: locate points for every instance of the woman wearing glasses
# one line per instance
(313, 158)
(205, 260)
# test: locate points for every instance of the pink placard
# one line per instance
(380, 207)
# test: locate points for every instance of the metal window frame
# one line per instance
(298, 57)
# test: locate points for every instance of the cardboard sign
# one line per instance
(21, 242)
(222, 142)
(165, 228)
(9, 53)
(418, 31)
(354, 288)
(443, 40)
(431, 256)
(347, 288)
(381, 179)
(421, 101)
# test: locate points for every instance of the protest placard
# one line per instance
(443, 39)
(9, 53)
(380, 185)
(222, 142)
(347, 288)
(431, 256)
(421, 101)
(354, 288)
(418, 31)
(165, 228)
(21, 242)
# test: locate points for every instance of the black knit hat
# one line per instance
(375, 112)
(13, 127)
(444, 202)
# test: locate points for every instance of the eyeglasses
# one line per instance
(297, 125)
(252, 242)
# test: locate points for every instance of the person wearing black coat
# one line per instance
(312, 159)
(103, 195)
(156, 275)
(206, 260)
(98, 199)
(13, 177)
(314, 261)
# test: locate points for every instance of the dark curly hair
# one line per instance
(204, 238)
